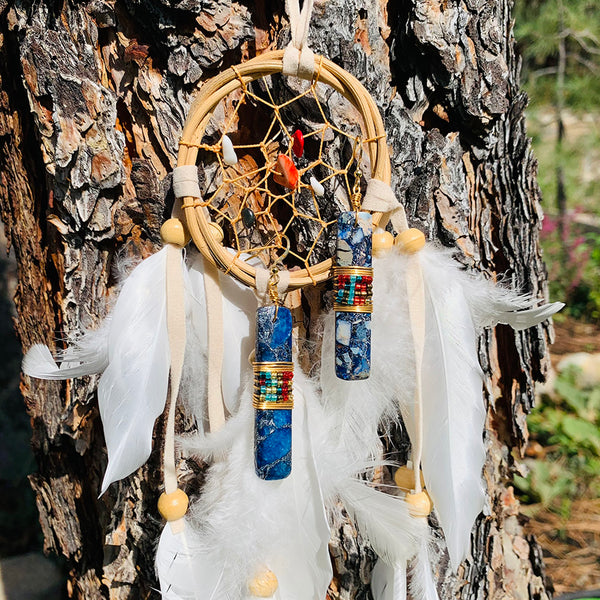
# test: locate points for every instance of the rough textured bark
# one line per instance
(93, 98)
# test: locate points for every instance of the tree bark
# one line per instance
(93, 98)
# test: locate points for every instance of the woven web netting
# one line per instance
(295, 227)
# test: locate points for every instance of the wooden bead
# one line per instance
(382, 241)
(405, 478)
(173, 232)
(173, 506)
(419, 504)
(410, 241)
(264, 585)
(217, 232)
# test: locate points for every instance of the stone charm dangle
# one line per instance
(273, 396)
(353, 284)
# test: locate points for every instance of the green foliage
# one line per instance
(573, 261)
(566, 428)
(541, 26)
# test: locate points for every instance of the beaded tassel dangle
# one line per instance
(273, 399)
(353, 283)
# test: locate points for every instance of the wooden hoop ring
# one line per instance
(234, 78)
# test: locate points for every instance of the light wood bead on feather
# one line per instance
(419, 504)
(382, 241)
(264, 585)
(173, 232)
(405, 478)
(173, 506)
(410, 241)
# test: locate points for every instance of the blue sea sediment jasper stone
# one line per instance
(273, 428)
(273, 443)
(273, 334)
(354, 247)
(352, 345)
(353, 329)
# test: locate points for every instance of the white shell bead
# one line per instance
(318, 189)
(229, 155)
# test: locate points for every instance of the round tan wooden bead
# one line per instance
(410, 241)
(173, 232)
(264, 585)
(173, 506)
(382, 241)
(217, 232)
(405, 478)
(419, 504)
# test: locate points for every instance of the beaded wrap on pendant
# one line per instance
(273, 395)
(353, 283)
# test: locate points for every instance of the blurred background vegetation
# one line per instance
(559, 41)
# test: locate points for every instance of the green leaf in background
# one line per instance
(582, 431)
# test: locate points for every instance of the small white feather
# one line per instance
(422, 584)
(384, 520)
(524, 319)
(389, 583)
(87, 354)
(132, 390)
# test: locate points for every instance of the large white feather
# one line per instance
(132, 390)
(453, 413)
(458, 306)
(389, 583)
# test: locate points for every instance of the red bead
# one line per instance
(298, 143)
(287, 176)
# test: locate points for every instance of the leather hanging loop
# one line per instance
(298, 58)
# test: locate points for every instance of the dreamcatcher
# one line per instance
(269, 187)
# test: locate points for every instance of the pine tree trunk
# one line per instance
(93, 98)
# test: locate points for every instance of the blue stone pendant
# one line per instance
(353, 284)
(273, 400)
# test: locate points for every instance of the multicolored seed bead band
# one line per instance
(273, 386)
(354, 289)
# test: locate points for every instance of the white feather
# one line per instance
(453, 412)
(184, 571)
(387, 582)
(524, 319)
(383, 520)
(87, 354)
(458, 306)
(132, 390)
(422, 584)
(244, 524)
